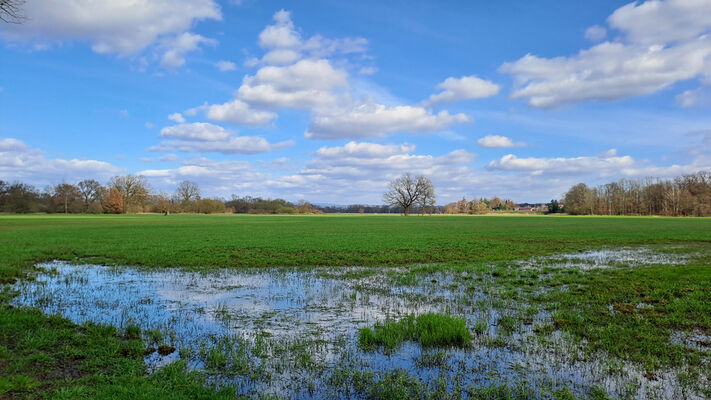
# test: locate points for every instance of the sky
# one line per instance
(328, 101)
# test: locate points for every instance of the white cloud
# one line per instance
(168, 158)
(19, 162)
(239, 113)
(295, 74)
(149, 125)
(604, 164)
(201, 131)
(305, 84)
(285, 44)
(210, 138)
(220, 178)
(281, 34)
(466, 87)
(693, 98)
(495, 141)
(664, 43)
(364, 150)
(335, 171)
(8, 145)
(111, 26)
(177, 117)
(372, 120)
(231, 145)
(661, 22)
(595, 33)
(225, 66)
(177, 47)
(608, 71)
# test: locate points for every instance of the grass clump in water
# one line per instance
(427, 329)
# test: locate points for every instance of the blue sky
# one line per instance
(327, 100)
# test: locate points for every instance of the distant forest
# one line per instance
(687, 195)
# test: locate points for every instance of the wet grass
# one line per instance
(42, 355)
(429, 330)
(623, 315)
(238, 241)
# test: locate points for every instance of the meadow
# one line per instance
(497, 284)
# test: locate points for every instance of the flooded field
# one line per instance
(294, 333)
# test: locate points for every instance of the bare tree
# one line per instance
(66, 194)
(427, 197)
(90, 191)
(407, 191)
(133, 189)
(187, 191)
(11, 11)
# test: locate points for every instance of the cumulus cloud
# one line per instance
(305, 84)
(364, 150)
(201, 131)
(295, 73)
(112, 26)
(22, 163)
(370, 119)
(495, 141)
(602, 164)
(660, 22)
(466, 87)
(225, 66)
(285, 45)
(177, 47)
(595, 33)
(334, 171)
(239, 113)
(214, 177)
(209, 138)
(177, 117)
(663, 43)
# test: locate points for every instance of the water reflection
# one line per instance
(284, 330)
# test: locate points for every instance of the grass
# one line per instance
(427, 329)
(47, 356)
(237, 241)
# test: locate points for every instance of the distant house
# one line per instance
(532, 207)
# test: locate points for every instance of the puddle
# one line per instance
(695, 340)
(290, 332)
(608, 258)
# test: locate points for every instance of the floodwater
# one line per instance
(290, 332)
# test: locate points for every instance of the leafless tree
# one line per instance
(407, 191)
(90, 191)
(133, 189)
(427, 197)
(11, 11)
(187, 191)
(66, 194)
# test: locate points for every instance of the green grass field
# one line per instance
(48, 357)
(334, 240)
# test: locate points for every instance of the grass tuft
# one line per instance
(427, 329)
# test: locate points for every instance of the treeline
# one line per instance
(479, 206)
(132, 194)
(122, 194)
(687, 195)
(258, 205)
